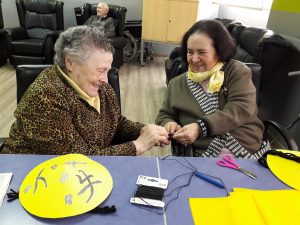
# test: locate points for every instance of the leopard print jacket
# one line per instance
(52, 119)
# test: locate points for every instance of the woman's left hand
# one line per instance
(187, 134)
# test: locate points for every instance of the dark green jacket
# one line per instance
(106, 24)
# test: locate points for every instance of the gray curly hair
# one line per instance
(77, 41)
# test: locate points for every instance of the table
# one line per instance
(125, 171)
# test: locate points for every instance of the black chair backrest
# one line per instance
(225, 21)
(236, 31)
(249, 41)
(39, 17)
(1, 16)
(26, 74)
(3, 40)
(256, 77)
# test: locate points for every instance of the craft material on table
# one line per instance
(229, 162)
(5, 179)
(286, 170)
(209, 179)
(248, 207)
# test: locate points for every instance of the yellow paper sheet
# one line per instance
(278, 207)
(228, 210)
(247, 207)
(212, 211)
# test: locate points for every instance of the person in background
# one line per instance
(70, 107)
(213, 105)
(104, 22)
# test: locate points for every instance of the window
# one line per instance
(251, 4)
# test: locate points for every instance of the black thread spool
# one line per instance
(148, 192)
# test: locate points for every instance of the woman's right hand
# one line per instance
(172, 127)
(151, 135)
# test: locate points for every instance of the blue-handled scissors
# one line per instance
(229, 162)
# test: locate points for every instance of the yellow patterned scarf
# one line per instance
(216, 77)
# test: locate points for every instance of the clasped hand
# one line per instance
(151, 135)
(186, 134)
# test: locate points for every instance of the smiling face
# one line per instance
(92, 73)
(201, 54)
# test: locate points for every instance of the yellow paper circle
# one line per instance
(65, 186)
(285, 170)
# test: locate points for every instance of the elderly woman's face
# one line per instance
(91, 74)
(201, 54)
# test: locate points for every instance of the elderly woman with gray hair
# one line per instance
(70, 107)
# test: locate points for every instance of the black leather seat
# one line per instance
(26, 74)
(41, 22)
(116, 12)
(262, 46)
(3, 40)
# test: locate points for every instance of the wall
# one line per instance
(206, 10)
(10, 16)
(245, 15)
(284, 19)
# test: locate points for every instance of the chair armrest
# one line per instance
(282, 134)
(118, 42)
(16, 33)
(54, 34)
(3, 32)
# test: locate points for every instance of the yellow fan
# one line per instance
(65, 186)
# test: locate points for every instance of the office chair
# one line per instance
(26, 74)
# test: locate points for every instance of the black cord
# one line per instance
(179, 188)
(191, 166)
(286, 155)
(194, 170)
(12, 195)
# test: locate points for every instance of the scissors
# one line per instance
(229, 162)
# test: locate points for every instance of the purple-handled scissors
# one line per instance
(229, 162)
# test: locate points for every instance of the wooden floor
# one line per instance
(142, 91)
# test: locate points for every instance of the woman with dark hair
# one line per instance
(213, 104)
